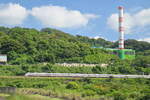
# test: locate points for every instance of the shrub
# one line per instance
(72, 85)
(88, 93)
(119, 96)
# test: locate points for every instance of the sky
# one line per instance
(92, 18)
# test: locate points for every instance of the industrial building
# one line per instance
(121, 52)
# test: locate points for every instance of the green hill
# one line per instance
(27, 48)
(23, 45)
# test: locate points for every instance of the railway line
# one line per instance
(84, 75)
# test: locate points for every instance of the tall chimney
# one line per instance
(121, 31)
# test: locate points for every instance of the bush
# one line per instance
(119, 96)
(119, 89)
(72, 85)
(88, 93)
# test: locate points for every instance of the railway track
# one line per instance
(84, 75)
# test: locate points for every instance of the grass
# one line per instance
(4, 95)
(29, 97)
(39, 97)
(81, 89)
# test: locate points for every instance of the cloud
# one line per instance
(145, 39)
(132, 21)
(12, 14)
(98, 37)
(50, 16)
(62, 17)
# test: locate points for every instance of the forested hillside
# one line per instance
(24, 45)
(30, 46)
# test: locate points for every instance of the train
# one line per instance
(79, 75)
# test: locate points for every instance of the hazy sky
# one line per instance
(93, 18)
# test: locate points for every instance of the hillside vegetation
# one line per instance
(79, 89)
(27, 48)
(24, 45)
(30, 50)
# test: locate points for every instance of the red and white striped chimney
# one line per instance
(121, 27)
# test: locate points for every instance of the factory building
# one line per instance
(121, 52)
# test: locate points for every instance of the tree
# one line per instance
(142, 61)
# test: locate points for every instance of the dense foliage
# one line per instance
(139, 46)
(95, 42)
(29, 46)
(24, 45)
(116, 68)
(82, 89)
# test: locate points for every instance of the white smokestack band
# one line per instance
(121, 27)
